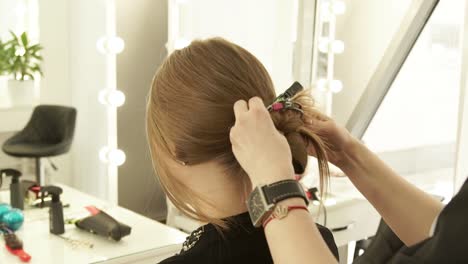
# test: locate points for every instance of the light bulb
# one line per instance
(103, 154)
(115, 44)
(336, 86)
(181, 43)
(110, 45)
(323, 45)
(338, 7)
(325, 8)
(337, 46)
(102, 97)
(114, 157)
(322, 85)
(114, 98)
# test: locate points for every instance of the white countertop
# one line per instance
(149, 241)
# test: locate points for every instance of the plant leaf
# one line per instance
(15, 38)
(24, 39)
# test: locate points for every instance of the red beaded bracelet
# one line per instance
(281, 212)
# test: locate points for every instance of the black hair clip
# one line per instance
(283, 101)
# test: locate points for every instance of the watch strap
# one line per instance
(283, 190)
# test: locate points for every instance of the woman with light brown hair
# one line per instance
(189, 118)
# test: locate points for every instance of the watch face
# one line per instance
(257, 206)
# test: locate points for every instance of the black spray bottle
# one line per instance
(16, 192)
(56, 223)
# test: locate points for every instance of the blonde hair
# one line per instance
(190, 113)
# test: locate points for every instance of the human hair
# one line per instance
(190, 113)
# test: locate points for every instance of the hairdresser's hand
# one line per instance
(337, 138)
(261, 150)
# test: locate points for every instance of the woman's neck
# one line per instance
(225, 195)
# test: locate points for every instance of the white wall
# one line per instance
(263, 27)
(55, 84)
(87, 77)
(74, 73)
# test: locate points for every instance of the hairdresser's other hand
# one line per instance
(336, 137)
(260, 149)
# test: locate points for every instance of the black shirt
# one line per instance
(242, 243)
(449, 244)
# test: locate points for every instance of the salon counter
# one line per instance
(149, 241)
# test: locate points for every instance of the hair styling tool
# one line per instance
(75, 243)
(284, 102)
(13, 244)
(103, 224)
(16, 192)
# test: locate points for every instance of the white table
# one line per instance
(149, 241)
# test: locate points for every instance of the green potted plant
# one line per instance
(23, 66)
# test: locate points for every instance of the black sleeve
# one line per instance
(449, 244)
(450, 241)
(385, 244)
(329, 239)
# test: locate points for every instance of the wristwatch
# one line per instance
(262, 200)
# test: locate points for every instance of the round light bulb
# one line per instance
(337, 46)
(115, 44)
(325, 9)
(116, 157)
(110, 45)
(336, 86)
(115, 98)
(103, 154)
(322, 85)
(102, 96)
(338, 7)
(323, 45)
(181, 43)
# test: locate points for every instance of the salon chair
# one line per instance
(48, 133)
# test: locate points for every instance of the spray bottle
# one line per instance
(56, 222)
(16, 192)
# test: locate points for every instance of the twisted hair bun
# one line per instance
(300, 136)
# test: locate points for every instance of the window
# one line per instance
(415, 127)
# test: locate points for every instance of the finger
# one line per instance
(240, 107)
(255, 103)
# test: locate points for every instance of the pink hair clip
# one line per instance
(277, 106)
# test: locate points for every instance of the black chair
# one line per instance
(48, 133)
